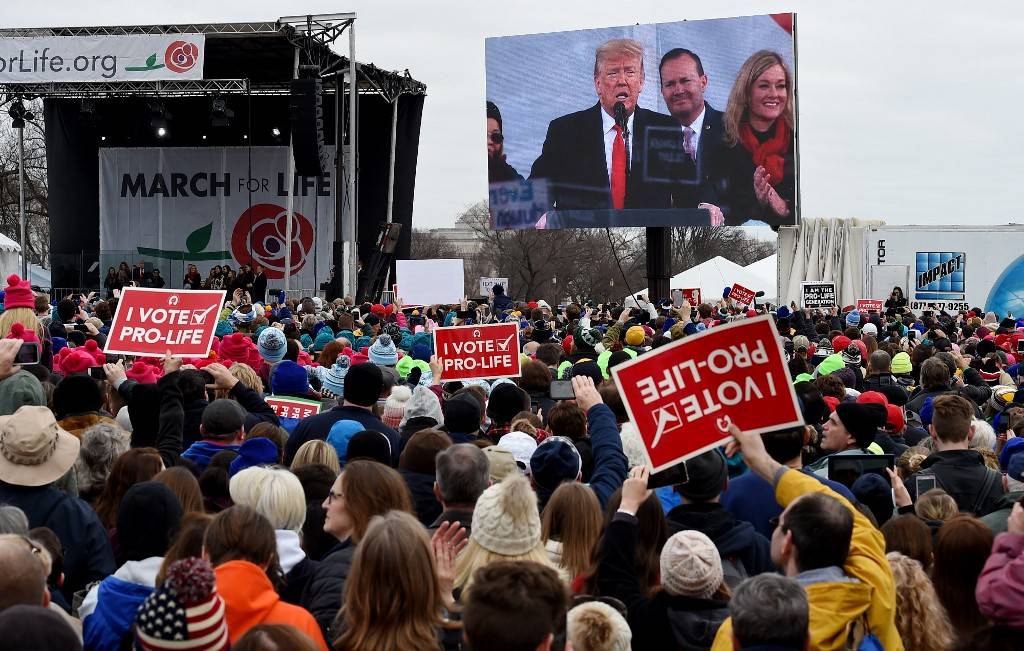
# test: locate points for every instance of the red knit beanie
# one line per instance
(18, 293)
(235, 347)
(75, 360)
(142, 373)
(19, 331)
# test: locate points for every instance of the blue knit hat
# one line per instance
(333, 379)
(284, 313)
(421, 352)
(257, 451)
(223, 329)
(424, 338)
(59, 344)
(383, 352)
(407, 342)
(362, 342)
(306, 341)
(324, 337)
(853, 319)
(784, 313)
(347, 334)
(339, 436)
(289, 378)
(272, 345)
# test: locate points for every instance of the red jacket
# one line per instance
(250, 600)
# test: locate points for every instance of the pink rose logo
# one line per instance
(260, 234)
(181, 56)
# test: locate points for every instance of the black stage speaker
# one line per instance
(307, 124)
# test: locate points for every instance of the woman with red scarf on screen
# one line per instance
(758, 180)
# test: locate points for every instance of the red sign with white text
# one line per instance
(692, 296)
(742, 295)
(478, 352)
(152, 321)
(869, 304)
(293, 407)
(682, 397)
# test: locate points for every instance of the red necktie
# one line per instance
(618, 170)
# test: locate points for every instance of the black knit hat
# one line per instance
(705, 477)
(147, 520)
(76, 394)
(506, 400)
(462, 415)
(862, 420)
(363, 384)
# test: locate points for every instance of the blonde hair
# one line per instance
(936, 504)
(627, 46)
(739, 97)
(573, 517)
(244, 374)
(316, 452)
(475, 556)
(921, 619)
(406, 616)
(26, 316)
(274, 493)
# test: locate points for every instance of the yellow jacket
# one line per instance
(834, 607)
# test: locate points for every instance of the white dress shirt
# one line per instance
(609, 139)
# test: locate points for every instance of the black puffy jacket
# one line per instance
(326, 588)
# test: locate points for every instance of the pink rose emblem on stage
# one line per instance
(260, 234)
(181, 56)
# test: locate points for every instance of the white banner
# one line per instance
(430, 282)
(147, 57)
(487, 283)
(194, 205)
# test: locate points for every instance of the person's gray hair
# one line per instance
(102, 444)
(770, 609)
(880, 362)
(621, 46)
(13, 520)
(462, 474)
(984, 436)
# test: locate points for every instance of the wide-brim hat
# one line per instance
(34, 450)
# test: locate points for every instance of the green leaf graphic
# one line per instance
(151, 61)
(199, 238)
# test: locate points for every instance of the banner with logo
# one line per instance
(293, 407)
(152, 321)
(818, 295)
(478, 352)
(140, 57)
(682, 397)
(201, 206)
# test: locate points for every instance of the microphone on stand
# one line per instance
(621, 120)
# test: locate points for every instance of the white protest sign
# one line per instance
(430, 282)
(817, 294)
(486, 284)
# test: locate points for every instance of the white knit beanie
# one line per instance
(596, 626)
(394, 407)
(690, 565)
(505, 520)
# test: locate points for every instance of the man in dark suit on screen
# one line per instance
(683, 83)
(598, 158)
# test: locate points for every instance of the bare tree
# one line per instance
(36, 211)
(692, 245)
(429, 246)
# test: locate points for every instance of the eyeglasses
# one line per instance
(331, 496)
(496, 137)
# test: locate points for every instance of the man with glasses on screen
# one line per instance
(683, 83)
(595, 159)
(498, 169)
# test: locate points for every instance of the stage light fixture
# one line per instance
(161, 132)
(245, 136)
(204, 136)
(159, 119)
(220, 114)
(19, 114)
(103, 138)
(276, 132)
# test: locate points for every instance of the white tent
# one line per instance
(10, 256)
(718, 273)
(766, 271)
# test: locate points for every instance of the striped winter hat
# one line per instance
(185, 612)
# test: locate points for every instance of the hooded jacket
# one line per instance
(737, 541)
(1000, 589)
(662, 621)
(250, 600)
(836, 604)
(109, 608)
(962, 473)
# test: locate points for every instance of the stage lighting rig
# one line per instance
(19, 114)
(159, 119)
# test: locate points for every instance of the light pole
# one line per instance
(19, 114)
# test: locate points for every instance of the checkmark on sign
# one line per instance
(199, 316)
(504, 345)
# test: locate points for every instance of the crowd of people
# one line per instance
(165, 504)
(251, 279)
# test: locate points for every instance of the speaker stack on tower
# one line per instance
(307, 124)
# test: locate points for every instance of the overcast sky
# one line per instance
(910, 112)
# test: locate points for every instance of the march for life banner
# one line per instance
(201, 206)
(682, 397)
(139, 57)
(149, 322)
(478, 352)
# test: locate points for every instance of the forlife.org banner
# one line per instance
(146, 57)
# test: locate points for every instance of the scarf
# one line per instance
(769, 154)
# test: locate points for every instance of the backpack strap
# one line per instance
(979, 501)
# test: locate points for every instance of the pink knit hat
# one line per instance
(18, 293)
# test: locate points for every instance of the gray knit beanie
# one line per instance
(506, 520)
(690, 565)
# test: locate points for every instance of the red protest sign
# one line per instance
(293, 407)
(152, 321)
(682, 397)
(742, 295)
(478, 352)
(692, 296)
(869, 304)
